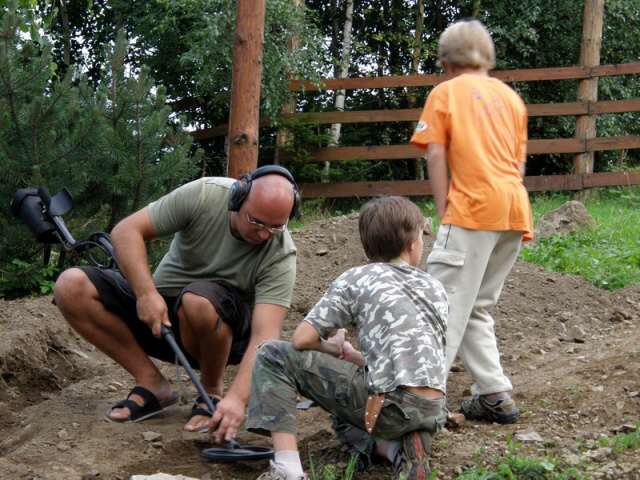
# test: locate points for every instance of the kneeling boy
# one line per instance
(387, 399)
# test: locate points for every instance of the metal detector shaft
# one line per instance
(167, 334)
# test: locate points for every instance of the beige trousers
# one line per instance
(473, 265)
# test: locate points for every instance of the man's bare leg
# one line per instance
(209, 342)
(79, 302)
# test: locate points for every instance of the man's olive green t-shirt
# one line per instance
(203, 247)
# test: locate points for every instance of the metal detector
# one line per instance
(43, 215)
(232, 451)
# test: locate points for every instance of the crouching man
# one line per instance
(224, 287)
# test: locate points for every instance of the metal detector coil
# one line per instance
(232, 451)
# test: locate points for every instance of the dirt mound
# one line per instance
(571, 350)
(39, 354)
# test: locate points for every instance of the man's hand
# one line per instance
(226, 420)
(129, 237)
(152, 310)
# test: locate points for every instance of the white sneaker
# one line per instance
(277, 473)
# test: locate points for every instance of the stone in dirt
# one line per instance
(151, 436)
(574, 334)
(63, 446)
(620, 315)
(572, 459)
(160, 476)
(428, 226)
(624, 428)
(529, 435)
(568, 218)
(455, 420)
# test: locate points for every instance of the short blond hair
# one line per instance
(467, 43)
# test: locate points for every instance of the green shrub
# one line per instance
(19, 278)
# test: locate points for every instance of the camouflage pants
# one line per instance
(339, 387)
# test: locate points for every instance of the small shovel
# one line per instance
(232, 451)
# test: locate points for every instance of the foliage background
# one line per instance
(97, 95)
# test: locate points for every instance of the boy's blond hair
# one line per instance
(387, 226)
(467, 43)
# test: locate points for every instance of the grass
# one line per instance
(513, 466)
(623, 441)
(331, 472)
(607, 255)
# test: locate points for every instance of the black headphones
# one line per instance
(240, 188)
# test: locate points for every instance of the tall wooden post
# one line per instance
(245, 87)
(588, 89)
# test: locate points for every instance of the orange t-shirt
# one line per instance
(483, 125)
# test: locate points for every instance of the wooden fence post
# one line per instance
(588, 88)
(245, 87)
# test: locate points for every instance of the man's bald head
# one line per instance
(266, 209)
(274, 191)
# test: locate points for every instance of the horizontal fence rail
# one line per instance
(521, 75)
(395, 81)
(418, 188)
(534, 147)
(406, 151)
(412, 114)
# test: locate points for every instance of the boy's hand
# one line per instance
(350, 354)
(337, 339)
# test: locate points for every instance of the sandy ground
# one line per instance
(572, 351)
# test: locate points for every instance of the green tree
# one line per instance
(44, 128)
(187, 45)
(115, 147)
(142, 152)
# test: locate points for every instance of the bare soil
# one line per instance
(572, 351)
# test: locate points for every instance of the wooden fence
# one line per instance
(407, 151)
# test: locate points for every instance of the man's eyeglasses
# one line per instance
(272, 229)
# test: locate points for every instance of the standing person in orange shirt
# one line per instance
(475, 127)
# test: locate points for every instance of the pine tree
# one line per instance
(142, 155)
(44, 127)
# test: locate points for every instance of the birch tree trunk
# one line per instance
(345, 59)
(283, 136)
(419, 164)
(476, 8)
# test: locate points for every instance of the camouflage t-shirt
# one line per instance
(401, 315)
